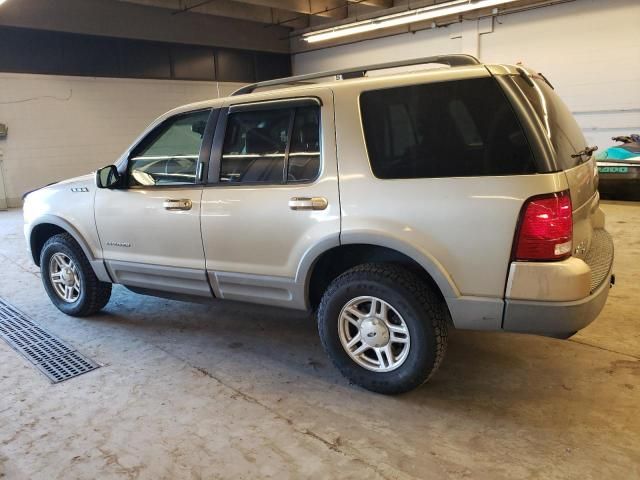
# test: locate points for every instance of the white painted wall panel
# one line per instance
(60, 127)
(589, 49)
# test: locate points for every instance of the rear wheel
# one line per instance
(69, 279)
(383, 327)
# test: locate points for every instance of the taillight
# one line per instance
(546, 228)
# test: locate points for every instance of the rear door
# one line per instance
(272, 203)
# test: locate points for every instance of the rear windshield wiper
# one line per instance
(547, 82)
(585, 153)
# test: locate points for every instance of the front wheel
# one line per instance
(68, 278)
(383, 327)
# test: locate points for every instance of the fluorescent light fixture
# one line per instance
(412, 16)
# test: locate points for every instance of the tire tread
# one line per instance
(432, 305)
(98, 293)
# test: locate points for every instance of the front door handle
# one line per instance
(308, 203)
(183, 204)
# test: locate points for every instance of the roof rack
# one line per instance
(454, 60)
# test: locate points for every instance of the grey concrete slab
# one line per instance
(241, 391)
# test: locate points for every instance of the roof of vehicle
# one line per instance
(456, 64)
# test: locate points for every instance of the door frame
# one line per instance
(281, 291)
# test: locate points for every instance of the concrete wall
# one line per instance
(589, 49)
(128, 20)
(61, 127)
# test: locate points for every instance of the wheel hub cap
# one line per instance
(374, 332)
(68, 277)
(64, 277)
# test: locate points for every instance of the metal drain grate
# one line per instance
(58, 360)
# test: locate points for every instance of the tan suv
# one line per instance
(396, 206)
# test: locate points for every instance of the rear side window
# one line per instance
(458, 128)
(272, 146)
(563, 130)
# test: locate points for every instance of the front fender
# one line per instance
(97, 263)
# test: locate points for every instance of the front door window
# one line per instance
(169, 154)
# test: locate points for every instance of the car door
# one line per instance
(272, 202)
(149, 226)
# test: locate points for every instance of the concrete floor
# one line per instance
(228, 391)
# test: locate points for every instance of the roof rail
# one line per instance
(454, 60)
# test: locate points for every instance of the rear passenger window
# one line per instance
(458, 128)
(272, 146)
(254, 146)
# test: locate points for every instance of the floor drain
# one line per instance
(58, 360)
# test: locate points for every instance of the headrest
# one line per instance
(307, 139)
(258, 141)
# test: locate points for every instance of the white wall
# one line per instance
(61, 127)
(589, 50)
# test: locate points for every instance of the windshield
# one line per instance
(561, 128)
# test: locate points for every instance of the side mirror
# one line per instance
(108, 177)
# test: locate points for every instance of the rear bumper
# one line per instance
(555, 319)
(559, 298)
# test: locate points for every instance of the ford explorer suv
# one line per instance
(394, 206)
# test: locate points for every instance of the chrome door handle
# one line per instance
(184, 204)
(308, 203)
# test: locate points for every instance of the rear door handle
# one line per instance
(308, 203)
(183, 204)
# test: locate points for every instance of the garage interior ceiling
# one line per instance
(303, 16)
(295, 14)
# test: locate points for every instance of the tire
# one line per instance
(414, 307)
(90, 296)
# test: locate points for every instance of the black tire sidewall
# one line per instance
(52, 247)
(422, 354)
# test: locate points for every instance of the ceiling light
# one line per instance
(403, 18)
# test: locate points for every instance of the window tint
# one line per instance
(169, 155)
(256, 142)
(304, 154)
(449, 129)
(565, 133)
(254, 146)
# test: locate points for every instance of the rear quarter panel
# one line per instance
(461, 228)
(585, 200)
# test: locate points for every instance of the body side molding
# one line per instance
(260, 289)
(185, 281)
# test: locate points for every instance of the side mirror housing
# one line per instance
(108, 177)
